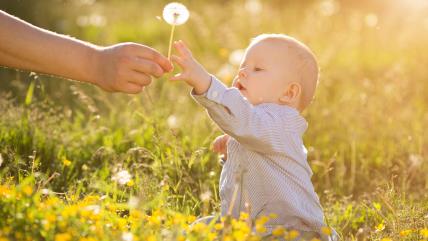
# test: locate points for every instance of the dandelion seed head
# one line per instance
(127, 236)
(205, 196)
(236, 56)
(172, 122)
(122, 177)
(328, 8)
(253, 6)
(175, 13)
(133, 202)
(371, 20)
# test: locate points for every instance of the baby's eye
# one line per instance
(257, 69)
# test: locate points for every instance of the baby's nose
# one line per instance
(242, 73)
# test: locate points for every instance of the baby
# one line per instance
(265, 171)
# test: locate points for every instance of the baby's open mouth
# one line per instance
(239, 86)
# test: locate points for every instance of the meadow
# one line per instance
(77, 163)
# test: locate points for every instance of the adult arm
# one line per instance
(125, 67)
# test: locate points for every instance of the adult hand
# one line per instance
(128, 67)
(125, 67)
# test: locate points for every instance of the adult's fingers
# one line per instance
(147, 66)
(132, 88)
(139, 78)
(152, 54)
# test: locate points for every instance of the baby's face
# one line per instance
(265, 72)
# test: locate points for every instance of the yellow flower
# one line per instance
(151, 238)
(377, 206)
(3, 239)
(28, 190)
(424, 232)
(62, 237)
(87, 239)
(66, 162)
(260, 228)
(199, 227)
(211, 236)
(227, 238)
(273, 215)
(386, 239)
(50, 218)
(5, 191)
(254, 238)
(239, 235)
(315, 239)
(6, 230)
(380, 227)
(218, 226)
(240, 225)
(291, 235)
(405, 233)
(191, 218)
(326, 230)
(19, 236)
(130, 183)
(223, 52)
(262, 220)
(279, 231)
(244, 216)
(181, 238)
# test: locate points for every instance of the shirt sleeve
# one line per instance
(256, 129)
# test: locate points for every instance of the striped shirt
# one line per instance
(266, 171)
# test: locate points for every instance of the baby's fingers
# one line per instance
(176, 77)
(182, 49)
(178, 60)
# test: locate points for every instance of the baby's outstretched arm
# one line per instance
(193, 73)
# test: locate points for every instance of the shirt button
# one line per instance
(214, 94)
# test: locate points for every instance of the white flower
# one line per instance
(122, 177)
(1, 160)
(94, 208)
(253, 6)
(236, 56)
(226, 72)
(94, 20)
(371, 20)
(172, 122)
(328, 7)
(415, 160)
(45, 191)
(175, 13)
(127, 236)
(133, 202)
(205, 196)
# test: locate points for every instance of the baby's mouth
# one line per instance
(239, 86)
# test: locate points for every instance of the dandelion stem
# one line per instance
(170, 41)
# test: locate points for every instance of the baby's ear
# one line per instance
(291, 94)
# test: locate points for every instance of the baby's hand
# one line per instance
(193, 73)
(220, 145)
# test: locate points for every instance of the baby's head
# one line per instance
(278, 69)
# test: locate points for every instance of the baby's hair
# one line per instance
(308, 69)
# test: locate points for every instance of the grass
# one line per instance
(62, 143)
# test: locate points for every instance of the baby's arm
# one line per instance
(256, 129)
